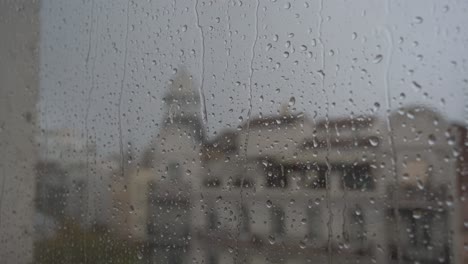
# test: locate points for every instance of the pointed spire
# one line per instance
(284, 109)
(182, 84)
(183, 102)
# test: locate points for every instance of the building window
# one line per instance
(277, 220)
(314, 226)
(275, 175)
(212, 218)
(173, 170)
(358, 177)
(357, 229)
(417, 225)
(313, 178)
(212, 258)
(212, 182)
(245, 182)
(414, 174)
(245, 219)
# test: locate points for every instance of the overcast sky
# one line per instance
(351, 54)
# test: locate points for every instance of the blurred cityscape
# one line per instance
(277, 189)
(282, 188)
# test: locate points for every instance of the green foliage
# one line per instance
(73, 245)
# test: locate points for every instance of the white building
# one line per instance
(298, 190)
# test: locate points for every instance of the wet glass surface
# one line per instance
(263, 131)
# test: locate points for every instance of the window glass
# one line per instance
(233, 131)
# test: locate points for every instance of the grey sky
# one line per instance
(415, 49)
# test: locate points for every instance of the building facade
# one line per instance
(288, 189)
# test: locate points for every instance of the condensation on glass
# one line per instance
(262, 131)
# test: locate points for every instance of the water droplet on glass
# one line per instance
(302, 244)
(416, 86)
(417, 214)
(374, 141)
(275, 38)
(378, 58)
(418, 20)
(292, 101)
(139, 255)
(271, 239)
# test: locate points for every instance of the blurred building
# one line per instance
(19, 86)
(154, 200)
(462, 151)
(425, 209)
(71, 182)
(288, 189)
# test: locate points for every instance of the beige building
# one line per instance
(154, 201)
(298, 190)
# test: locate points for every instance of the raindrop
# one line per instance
(139, 255)
(314, 42)
(354, 36)
(376, 106)
(269, 204)
(275, 38)
(317, 201)
(374, 141)
(302, 244)
(418, 20)
(416, 86)
(378, 58)
(292, 101)
(271, 239)
(420, 184)
(417, 214)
